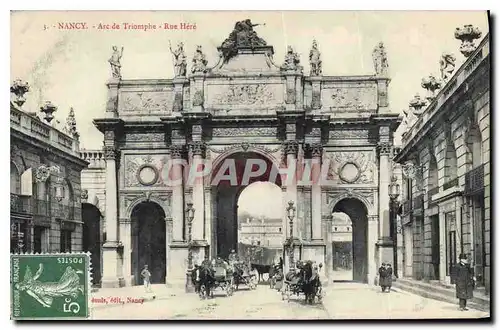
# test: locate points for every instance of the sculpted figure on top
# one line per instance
(380, 60)
(292, 61)
(114, 61)
(242, 36)
(179, 60)
(199, 61)
(315, 60)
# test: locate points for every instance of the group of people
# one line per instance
(385, 277)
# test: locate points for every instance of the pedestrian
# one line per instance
(464, 281)
(146, 277)
(388, 274)
(382, 277)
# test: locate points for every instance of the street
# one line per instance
(342, 301)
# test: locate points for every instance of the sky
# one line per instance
(261, 199)
(70, 68)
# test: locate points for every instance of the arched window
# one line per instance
(15, 179)
(474, 147)
(450, 167)
(432, 180)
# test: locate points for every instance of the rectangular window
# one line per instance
(38, 233)
(451, 242)
(65, 241)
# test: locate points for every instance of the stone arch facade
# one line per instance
(220, 158)
(370, 208)
(140, 199)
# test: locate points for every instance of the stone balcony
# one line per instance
(34, 128)
(474, 181)
(94, 157)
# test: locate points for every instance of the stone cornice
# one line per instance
(47, 148)
(107, 124)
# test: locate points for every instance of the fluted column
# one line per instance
(316, 207)
(126, 237)
(385, 241)
(176, 155)
(198, 149)
(371, 248)
(111, 260)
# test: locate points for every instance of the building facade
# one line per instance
(261, 231)
(445, 159)
(243, 108)
(45, 183)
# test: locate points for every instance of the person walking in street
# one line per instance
(382, 275)
(464, 281)
(388, 274)
(146, 277)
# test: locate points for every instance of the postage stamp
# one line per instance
(50, 286)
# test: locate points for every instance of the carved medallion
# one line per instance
(352, 167)
(349, 172)
(147, 175)
(144, 170)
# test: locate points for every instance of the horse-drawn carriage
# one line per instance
(304, 279)
(242, 275)
(208, 279)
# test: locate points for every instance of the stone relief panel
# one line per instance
(349, 98)
(357, 167)
(145, 137)
(139, 102)
(245, 95)
(348, 134)
(145, 170)
(245, 131)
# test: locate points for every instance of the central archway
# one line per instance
(149, 241)
(230, 177)
(358, 214)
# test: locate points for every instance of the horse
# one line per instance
(310, 281)
(205, 281)
(261, 269)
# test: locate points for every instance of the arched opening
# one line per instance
(92, 239)
(450, 167)
(476, 202)
(475, 147)
(260, 222)
(342, 246)
(230, 177)
(432, 180)
(15, 179)
(149, 241)
(358, 214)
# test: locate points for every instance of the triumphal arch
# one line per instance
(249, 110)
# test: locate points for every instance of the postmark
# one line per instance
(50, 286)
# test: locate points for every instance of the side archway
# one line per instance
(357, 212)
(149, 241)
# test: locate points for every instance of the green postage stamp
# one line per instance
(50, 286)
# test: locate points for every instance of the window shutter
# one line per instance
(27, 183)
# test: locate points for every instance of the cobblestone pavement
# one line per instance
(342, 301)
